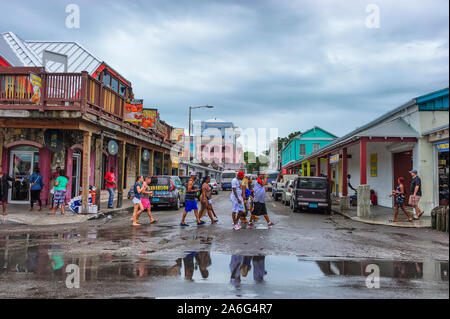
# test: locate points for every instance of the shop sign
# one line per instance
(373, 165)
(149, 118)
(175, 162)
(442, 147)
(113, 147)
(35, 81)
(133, 110)
(53, 140)
(334, 158)
(145, 155)
(177, 135)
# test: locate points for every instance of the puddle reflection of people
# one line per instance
(235, 269)
(259, 269)
(189, 266)
(404, 270)
(203, 260)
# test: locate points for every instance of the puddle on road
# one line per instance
(222, 275)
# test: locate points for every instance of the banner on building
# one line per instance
(36, 85)
(175, 161)
(177, 135)
(163, 129)
(149, 118)
(334, 158)
(373, 165)
(133, 110)
(442, 147)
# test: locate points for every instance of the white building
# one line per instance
(412, 136)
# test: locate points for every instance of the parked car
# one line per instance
(214, 186)
(287, 194)
(166, 192)
(227, 177)
(278, 189)
(311, 193)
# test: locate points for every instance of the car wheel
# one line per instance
(292, 206)
(177, 204)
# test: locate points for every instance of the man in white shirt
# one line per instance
(237, 200)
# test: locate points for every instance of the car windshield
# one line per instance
(312, 183)
(176, 180)
(228, 175)
(272, 177)
(213, 181)
(184, 180)
(160, 181)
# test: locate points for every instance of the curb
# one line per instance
(404, 225)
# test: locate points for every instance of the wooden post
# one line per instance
(152, 162)
(162, 163)
(303, 169)
(2, 138)
(308, 168)
(344, 172)
(84, 90)
(363, 161)
(318, 167)
(86, 164)
(138, 161)
(121, 173)
(169, 166)
(328, 168)
(98, 169)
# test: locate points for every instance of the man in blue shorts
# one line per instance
(191, 201)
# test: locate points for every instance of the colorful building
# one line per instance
(412, 136)
(62, 106)
(300, 146)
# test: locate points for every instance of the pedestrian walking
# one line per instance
(60, 186)
(400, 199)
(110, 179)
(190, 202)
(137, 204)
(206, 199)
(36, 185)
(415, 194)
(259, 201)
(4, 187)
(53, 178)
(145, 199)
(237, 201)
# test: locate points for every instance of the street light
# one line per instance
(189, 136)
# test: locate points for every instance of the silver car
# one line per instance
(287, 192)
(214, 186)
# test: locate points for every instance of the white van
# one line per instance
(227, 177)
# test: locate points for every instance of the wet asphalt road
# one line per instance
(305, 255)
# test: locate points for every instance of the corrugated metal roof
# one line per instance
(26, 56)
(8, 54)
(79, 59)
(29, 53)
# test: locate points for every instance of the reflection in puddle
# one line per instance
(218, 275)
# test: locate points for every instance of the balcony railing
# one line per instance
(65, 91)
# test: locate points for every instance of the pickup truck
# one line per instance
(278, 190)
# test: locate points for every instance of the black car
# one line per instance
(165, 192)
(311, 193)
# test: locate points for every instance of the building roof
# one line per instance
(394, 128)
(20, 52)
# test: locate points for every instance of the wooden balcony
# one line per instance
(67, 92)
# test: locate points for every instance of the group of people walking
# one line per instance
(205, 197)
(35, 185)
(399, 194)
(248, 198)
(141, 200)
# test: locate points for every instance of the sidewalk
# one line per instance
(380, 215)
(19, 214)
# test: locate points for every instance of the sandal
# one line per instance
(420, 215)
(154, 222)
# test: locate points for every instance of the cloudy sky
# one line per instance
(285, 64)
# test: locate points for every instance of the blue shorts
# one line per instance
(190, 205)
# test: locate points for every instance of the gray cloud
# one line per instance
(285, 64)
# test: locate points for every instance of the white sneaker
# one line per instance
(237, 227)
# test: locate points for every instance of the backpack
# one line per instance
(131, 192)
